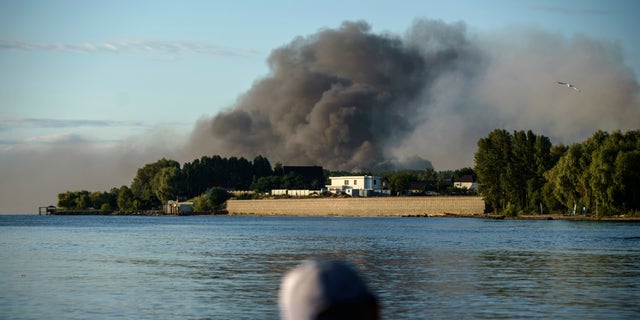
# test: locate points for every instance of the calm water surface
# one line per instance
(104, 267)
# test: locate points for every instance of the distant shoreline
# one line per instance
(448, 215)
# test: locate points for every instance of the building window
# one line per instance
(375, 182)
(346, 182)
(355, 182)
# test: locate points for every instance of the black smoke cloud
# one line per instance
(348, 99)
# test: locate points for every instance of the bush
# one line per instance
(105, 208)
(203, 203)
(510, 210)
(211, 200)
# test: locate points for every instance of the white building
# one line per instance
(177, 207)
(356, 186)
(465, 182)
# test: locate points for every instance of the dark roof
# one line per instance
(465, 178)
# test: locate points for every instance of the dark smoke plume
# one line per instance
(349, 99)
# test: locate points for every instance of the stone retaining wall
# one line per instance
(382, 206)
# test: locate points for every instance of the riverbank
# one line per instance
(621, 218)
(132, 213)
(453, 207)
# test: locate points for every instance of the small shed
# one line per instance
(177, 207)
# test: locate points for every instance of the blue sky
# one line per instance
(97, 73)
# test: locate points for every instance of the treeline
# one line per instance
(524, 172)
(517, 172)
(205, 179)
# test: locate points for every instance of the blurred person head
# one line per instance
(321, 289)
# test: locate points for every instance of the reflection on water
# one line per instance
(230, 267)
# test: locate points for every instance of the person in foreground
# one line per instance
(322, 289)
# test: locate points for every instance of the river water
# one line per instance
(225, 267)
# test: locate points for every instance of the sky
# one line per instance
(90, 91)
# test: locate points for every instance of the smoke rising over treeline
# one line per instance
(348, 98)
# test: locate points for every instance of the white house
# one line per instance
(356, 186)
(465, 182)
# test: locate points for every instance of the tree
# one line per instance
(278, 169)
(430, 174)
(143, 184)
(203, 203)
(492, 167)
(400, 182)
(113, 197)
(125, 199)
(511, 169)
(261, 167)
(627, 174)
(293, 181)
(211, 200)
(218, 196)
(464, 172)
(166, 183)
(97, 199)
(601, 173)
(266, 184)
(67, 200)
(565, 176)
(83, 202)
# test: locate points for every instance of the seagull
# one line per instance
(569, 85)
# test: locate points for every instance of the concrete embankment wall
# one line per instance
(382, 206)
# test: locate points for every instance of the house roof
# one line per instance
(465, 178)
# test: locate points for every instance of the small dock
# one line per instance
(47, 210)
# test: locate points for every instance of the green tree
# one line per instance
(97, 199)
(430, 174)
(113, 197)
(218, 196)
(492, 165)
(511, 170)
(105, 207)
(627, 173)
(125, 199)
(203, 203)
(400, 182)
(600, 173)
(266, 184)
(83, 202)
(67, 200)
(262, 167)
(143, 184)
(565, 176)
(293, 181)
(211, 200)
(167, 183)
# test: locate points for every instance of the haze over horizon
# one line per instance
(359, 93)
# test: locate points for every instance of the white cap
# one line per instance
(315, 286)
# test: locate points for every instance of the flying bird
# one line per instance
(569, 85)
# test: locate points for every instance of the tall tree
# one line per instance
(167, 183)
(601, 173)
(125, 199)
(400, 182)
(492, 167)
(143, 184)
(262, 167)
(511, 169)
